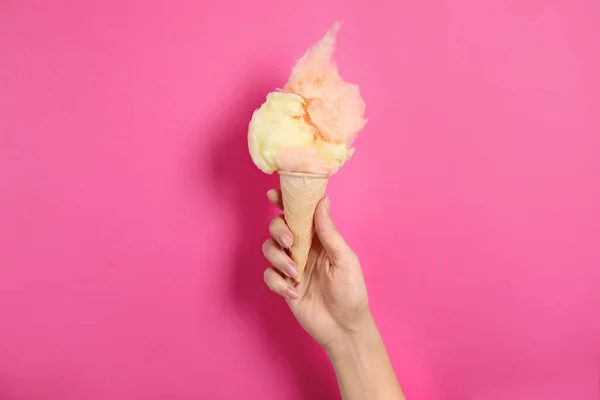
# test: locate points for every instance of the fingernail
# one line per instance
(291, 293)
(291, 270)
(327, 203)
(286, 240)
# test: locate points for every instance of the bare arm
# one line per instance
(362, 365)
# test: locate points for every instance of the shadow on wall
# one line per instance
(243, 188)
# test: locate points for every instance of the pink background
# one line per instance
(131, 216)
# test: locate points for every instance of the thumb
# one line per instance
(329, 236)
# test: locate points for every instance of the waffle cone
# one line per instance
(301, 194)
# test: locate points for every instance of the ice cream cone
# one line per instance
(301, 193)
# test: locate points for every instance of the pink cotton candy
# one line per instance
(334, 106)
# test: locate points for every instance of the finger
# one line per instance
(329, 236)
(279, 259)
(278, 284)
(280, 232)
(275, 198)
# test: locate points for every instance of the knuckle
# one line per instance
(273, 225)
(270, 280)
(265, 247)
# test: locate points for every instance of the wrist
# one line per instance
(362, 365)
(360, 335)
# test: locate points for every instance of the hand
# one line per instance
(331, 300)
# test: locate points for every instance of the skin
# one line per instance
(331, 304)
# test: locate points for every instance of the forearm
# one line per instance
(362, 366)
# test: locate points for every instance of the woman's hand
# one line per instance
(331, 304)
(331, 300)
